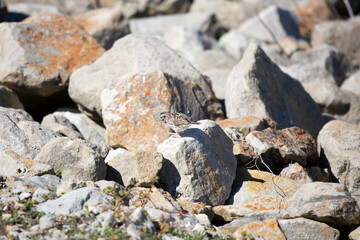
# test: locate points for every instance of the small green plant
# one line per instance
(58, 173)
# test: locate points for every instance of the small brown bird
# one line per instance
(178, 122)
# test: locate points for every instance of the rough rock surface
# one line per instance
(271, 24)
(309, 174)
(328, 202)
(321, 70)
(129, 55)
(200, 165)
(250, 184)
(132, 105)
(341, 34)
(303, 229)
(339, 142)
(21, 134)
(257, 87)
(74, 201)
(13, 164)
(268, 229)
(61, 125)
(61, 47)
(76, 159)
(106, 25)
(291, 144)
(138, 168)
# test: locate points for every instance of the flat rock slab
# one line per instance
(258, 208)
(75, 201)
(304, 229)
(199, 166)
(327, 202)
(42, 52)
(131, 108)
(339, 142)
(257, 87)
(250, 184)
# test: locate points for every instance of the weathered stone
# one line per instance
(271, 24)
(62, 126)
(42, 52)
(20, 184)
(106, 25)
(250, 184)
(304, 229)
(20, 134)
(158, 25)
(131, 108)
(342, 34)
(13, 164)
(352, 83)
(339, 142)
(298, 173)
(138, 168)
(281, 147)
(200, 165)
(90, 130)
(140, 221)
(247, 124)
(75, 201)
(9, 99)
(197, 208)
(188, 42)
(268, 229)
(230, 14)
(154, 198)
(327, 202)
(311, 13)
(130, 55)
(76, 159)
(216, 65)
(257, 87)
(320, 71)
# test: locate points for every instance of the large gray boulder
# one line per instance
(257, 87)
(129, 55)
(42, 51)
(77, 160)
(339, 142)
(200, 165)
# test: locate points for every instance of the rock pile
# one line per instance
(273, 90)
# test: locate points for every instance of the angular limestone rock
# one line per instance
(200, 165)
